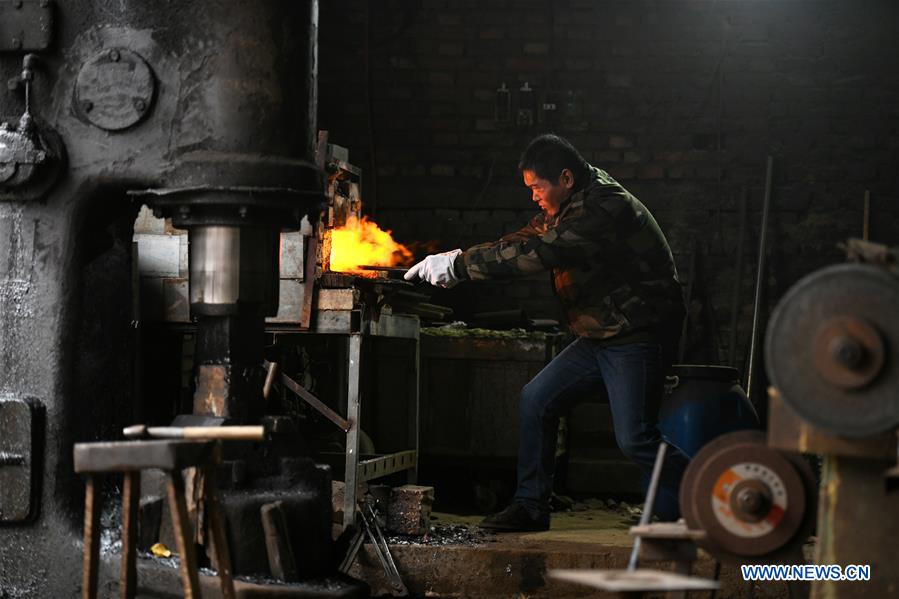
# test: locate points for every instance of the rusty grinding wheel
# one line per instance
(830, 349)
(754, 503)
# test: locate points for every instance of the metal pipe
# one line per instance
(650, 502)
(759, 278)
(233, 265)
(738, 280)
(215, 265)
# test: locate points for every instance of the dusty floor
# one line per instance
(458, 560)
(516, 565)
(583, 525)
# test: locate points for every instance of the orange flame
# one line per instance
(363, 242)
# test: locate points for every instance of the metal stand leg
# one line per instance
(217, 530)
(189, 576)
(414, 415)
(353, 411)
(650, 502)
(91, 539)
(130, 504)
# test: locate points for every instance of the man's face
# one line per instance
(549, 195)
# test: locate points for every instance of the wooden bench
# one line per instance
(129, 458)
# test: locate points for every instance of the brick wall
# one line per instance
(680, 101)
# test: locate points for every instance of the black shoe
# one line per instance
(515, 518)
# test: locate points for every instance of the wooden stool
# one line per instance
(130, 457)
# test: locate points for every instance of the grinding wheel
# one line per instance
(830, 349)
(753, 502)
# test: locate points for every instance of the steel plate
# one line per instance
(857, 400)
(17, 425)
(115, 89)
(25, 25)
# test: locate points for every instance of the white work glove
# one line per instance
(436, 269)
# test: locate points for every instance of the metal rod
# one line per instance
(315, 402)
(355, 545)
(382, 549)
(759, 279)
(738, 281)
(385, 565)
(650, 502)
(394, 572)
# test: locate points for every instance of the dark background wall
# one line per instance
(680, 101)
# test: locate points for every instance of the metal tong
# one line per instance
(371, 529)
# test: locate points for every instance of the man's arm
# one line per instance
(572, 241)
(534, 227)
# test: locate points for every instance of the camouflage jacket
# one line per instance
(611, 266)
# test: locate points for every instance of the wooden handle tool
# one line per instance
(232, 433)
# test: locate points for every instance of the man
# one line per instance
(615, 276)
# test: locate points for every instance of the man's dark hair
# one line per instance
(548, 155)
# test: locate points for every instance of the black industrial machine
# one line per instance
(831, 355)
(830, 352)
(205, 112)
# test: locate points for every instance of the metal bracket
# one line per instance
(17, 468)
(25, 25)
(386, 464)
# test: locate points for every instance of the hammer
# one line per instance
(232, 433)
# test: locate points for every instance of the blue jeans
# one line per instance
(633, 376)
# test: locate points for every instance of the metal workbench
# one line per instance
(355, 326)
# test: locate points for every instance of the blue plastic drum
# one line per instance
(701, 403)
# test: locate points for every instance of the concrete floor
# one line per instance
(470, 563)
(514, 565)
